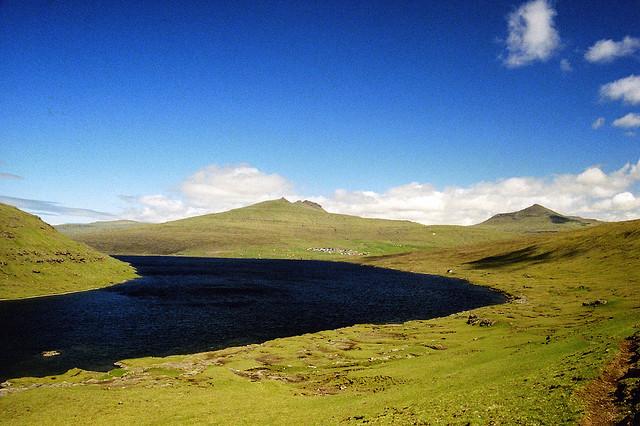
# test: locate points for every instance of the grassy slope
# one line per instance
(36, 260)
(276, 229)
(80, 228)
(529, 368)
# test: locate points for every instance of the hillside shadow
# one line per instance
(560, 219)
(527, 255)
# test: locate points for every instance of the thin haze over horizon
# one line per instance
(436, 112)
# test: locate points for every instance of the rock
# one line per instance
(436, 347)
(449, 271)
(595, 303)
(333, 250)
(482, 322)
(312, 204)
(520, 299)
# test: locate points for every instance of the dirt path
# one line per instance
(609, 398)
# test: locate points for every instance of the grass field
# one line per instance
(36, 260)
(535, 365)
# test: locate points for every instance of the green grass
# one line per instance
(71, 228)
(37, 260)
(275, 229)
(529, 368)
(280, 229)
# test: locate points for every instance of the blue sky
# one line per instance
(114, 107)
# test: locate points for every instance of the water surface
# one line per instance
(185, 305)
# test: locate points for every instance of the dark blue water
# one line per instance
(185, 305)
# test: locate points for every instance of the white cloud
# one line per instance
(629, 121)
(227, 187)
(626, 89)
(625, 201)
(565, 65)
(159, 208)
(208, 190)
(608, 50)
(599, 122)
(591, 193)
(532, 34)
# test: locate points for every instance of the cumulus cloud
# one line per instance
(209, 190)
(532, 34)
(607, 50)
(598, 122)
(228, 187)
(158, 208)
(591, 193)
(625, 89)
(629, 121)
(50, 208)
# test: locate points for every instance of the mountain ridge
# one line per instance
(283, 229)
(275, 228)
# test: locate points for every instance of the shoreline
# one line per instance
(501, 297)
(68, 292)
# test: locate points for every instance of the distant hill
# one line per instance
(277, 229)
(78, 228)
(536, 218)
(37, 260)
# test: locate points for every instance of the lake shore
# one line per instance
(531, 366)
(169, 309)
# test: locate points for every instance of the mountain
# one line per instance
(277, 229)
(36, 260)
(536, 218)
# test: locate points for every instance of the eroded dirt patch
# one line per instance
(614, 397)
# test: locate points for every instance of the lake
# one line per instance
(186, 305)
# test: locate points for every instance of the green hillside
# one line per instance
(79, 228)
(535, 219)
(277, 229)
(555, 354)
(36, 260)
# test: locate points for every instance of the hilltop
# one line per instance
(276, 229)
(36, 260)
(536, 218)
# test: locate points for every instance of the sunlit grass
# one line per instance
(528, 368)
(37, 260)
